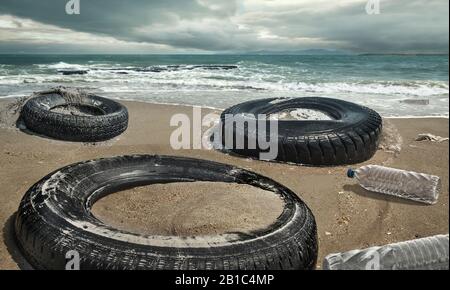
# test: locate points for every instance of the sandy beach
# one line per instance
(347, 216)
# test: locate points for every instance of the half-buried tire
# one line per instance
(351, 134)
(96, 119)
(54, 217)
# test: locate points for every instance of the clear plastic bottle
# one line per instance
(431, 253)
(401, 183)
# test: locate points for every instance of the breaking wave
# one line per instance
(223, 84)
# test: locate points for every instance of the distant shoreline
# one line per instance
(7, 98)
(231, 54)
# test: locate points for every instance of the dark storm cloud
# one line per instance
(250, 25)
(402, 25)
(112, 17)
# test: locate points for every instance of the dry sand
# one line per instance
(347, 216)
(187, 209)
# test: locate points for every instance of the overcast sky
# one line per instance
(204, 26)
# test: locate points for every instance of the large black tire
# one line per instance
(110, 118)
(352, 136)
(54, 217)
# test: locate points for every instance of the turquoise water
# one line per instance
(389, 84)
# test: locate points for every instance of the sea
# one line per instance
(393, 85)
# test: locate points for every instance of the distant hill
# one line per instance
(404, 54)
(296, 52)
(320, 52)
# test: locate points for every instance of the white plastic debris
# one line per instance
(410, 185)
(430, 137)
(431, 253)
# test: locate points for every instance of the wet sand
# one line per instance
(347, 216)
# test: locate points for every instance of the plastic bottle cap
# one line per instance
(350, 173)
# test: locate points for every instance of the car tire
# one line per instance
(54, 218)
(109, 118)
(351, 136)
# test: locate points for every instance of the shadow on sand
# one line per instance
(355, 188)
(10, 241)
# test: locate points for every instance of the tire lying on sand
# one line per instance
(351, 135)
(97, 119)
(54, 217)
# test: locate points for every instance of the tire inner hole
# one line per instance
(78, 110)
(190, 209)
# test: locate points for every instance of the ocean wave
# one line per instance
(223, 82)
(227, 80)
(243, 76)
(60, 65)
(393, 86)
(143, 69)
(422, 89)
